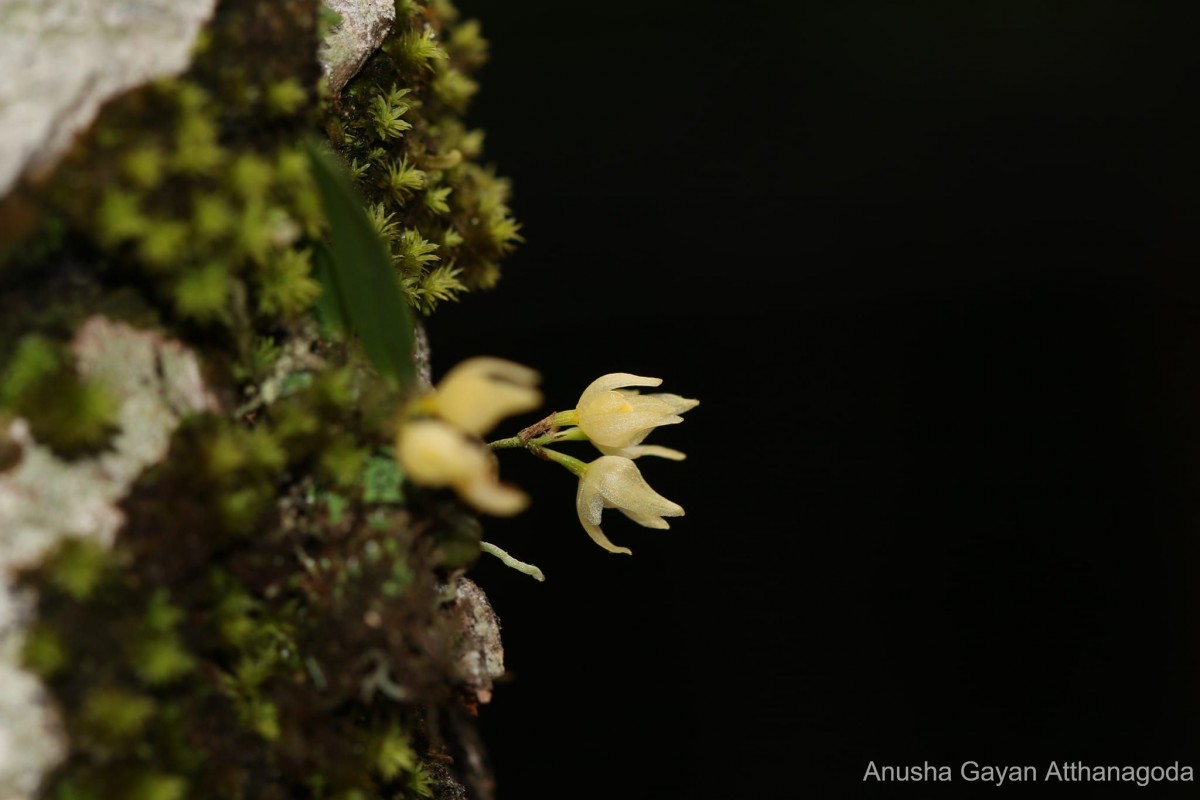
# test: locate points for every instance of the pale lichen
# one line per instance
(480, 651)
(360, 27)
(31, 738)
(62, 59)
(45, 500)
(155, 382)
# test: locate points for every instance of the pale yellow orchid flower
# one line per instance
(617, 419)
(445, 449)
(435, 454)
(616, 482)
(479, 392)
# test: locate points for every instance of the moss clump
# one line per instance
(76, 567)
(44, 651)
(196, 191)
(71, 415)
(399, 129)
(254, 632)
(296, 662)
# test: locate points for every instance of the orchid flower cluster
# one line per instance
(440, 443)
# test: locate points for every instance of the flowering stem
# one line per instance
(569, 435)
(563, 418)
(576, 466)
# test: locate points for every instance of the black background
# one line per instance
(931, 269)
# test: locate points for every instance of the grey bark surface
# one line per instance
(62, 59)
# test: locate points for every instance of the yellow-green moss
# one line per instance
(398, 126)
(70, 414)
(268, 622)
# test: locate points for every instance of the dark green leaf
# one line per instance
(330, 313)
(368, 296)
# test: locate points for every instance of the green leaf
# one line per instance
(359, 273)
(331, 313)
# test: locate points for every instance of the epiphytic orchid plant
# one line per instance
(440, 444)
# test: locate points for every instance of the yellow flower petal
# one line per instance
(479, 392)
(678, 404)
(487, 494)
(434, 454)
(615, 418)
(616, 482)
(639, 450)
(615, 380)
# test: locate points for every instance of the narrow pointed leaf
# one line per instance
(365, 292)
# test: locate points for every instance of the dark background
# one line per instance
(931, 269)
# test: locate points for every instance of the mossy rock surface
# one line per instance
(274, 612)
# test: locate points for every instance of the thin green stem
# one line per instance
(568, 435)
(576, 466)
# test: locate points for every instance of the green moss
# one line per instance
(35, 360)
(420, 176)
(383, 481)
(454, 89)
(242, 509)
(268, 623)
(286, 286)
(72, 789)
(44, 651)
(213, 217)
(419, 782)
(71, 415)
(286, 97)
(387, 111)
(202, 293)
(145, 166)
(120, 217)
(235, 611)
(162, 242)
(160, 659)
(111, 715)
(416, 48)
(393, 753)
(196, 149)
(412, 253)
(77, 567)
(263, 718)
(251, 176)
(157, 786)
(403, 180)
(435, 199)
(342, 461)
(157, 653)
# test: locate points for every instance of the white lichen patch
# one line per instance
(363, 26)
(43, 500)
(481, 653)
(62, 59)
(31, 739)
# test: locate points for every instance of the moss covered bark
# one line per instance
(278, 614)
